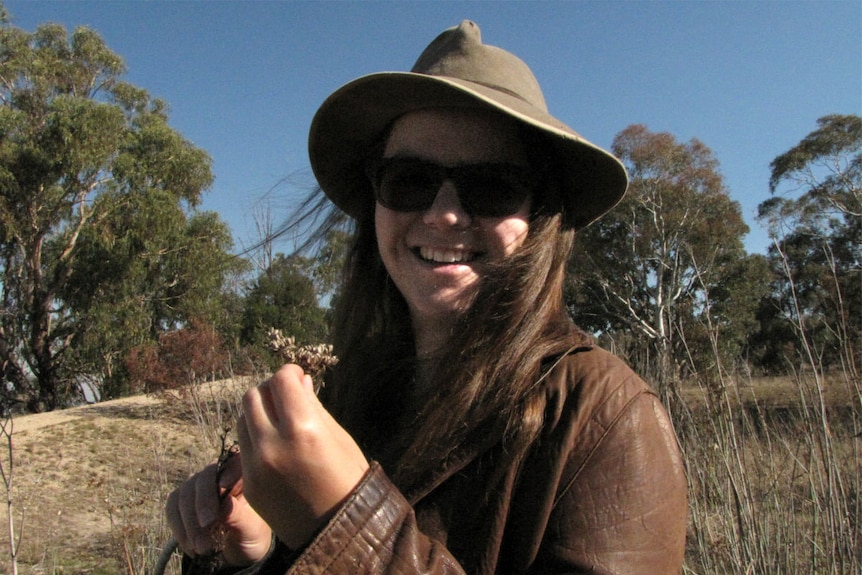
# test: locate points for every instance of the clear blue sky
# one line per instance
(243, 79)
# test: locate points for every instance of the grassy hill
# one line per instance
(89, 484)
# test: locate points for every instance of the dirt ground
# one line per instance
(89, 483)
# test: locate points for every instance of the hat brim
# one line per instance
(352, 119)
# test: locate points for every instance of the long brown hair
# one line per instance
(487, 374)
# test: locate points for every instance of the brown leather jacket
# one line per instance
(603, 491)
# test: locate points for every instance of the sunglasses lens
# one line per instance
(405, 185)
(485, 190)
(494, 190)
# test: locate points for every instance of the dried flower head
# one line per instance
(313, 359)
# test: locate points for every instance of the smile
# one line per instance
(445, 256)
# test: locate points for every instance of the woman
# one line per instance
(469, 426)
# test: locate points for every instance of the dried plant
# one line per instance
(313, 359)
(6, 469)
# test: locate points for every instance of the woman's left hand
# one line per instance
(298, 463)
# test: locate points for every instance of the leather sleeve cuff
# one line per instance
(358, 532)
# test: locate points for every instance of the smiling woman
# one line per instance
(437, 254)
(469, 426)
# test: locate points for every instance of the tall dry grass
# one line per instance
(774, 481)
(774, 470)
(141, 535)
(774, 477)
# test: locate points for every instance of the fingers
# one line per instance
(274, 407)
(287, 393)
(291, 382)
(192, 511)
(195, 508)
(258, 415)
(298, 463)
(175, 520)
(230, 476)
(207, 501)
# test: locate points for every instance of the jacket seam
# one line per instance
(606, 430)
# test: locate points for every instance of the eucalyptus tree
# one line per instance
(814, 218)
(654, 271)
(97, 200)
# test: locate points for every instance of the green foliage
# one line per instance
(283, 297)
(146, 270)
(100, 249)
(834, 146)
(659, 263)
(815, 305)
(716, 338)
(328, 262)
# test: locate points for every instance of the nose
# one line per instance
(446, 211)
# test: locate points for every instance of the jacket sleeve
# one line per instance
(621, 502)
(620, 507)
(375, 531)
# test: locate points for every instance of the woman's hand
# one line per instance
(298, 464)
(209, 512)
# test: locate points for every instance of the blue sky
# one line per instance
(243, 79)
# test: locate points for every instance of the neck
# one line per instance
(430, 336)
(423, 375)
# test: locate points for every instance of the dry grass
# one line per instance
(775, 473)
(90, 491)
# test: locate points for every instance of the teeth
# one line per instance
(444, 256)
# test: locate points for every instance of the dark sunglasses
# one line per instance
(485, 190)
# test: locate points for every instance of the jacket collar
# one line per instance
(485, 437)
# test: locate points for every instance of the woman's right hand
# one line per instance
(209, 511)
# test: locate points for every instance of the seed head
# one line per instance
(313, 359)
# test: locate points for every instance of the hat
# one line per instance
(456, 70)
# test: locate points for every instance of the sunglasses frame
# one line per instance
(522, 181)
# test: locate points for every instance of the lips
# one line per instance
(445, 255)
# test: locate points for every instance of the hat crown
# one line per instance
(458, 53)
(457, 70)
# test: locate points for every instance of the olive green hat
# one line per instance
(456, 70)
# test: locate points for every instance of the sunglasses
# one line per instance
(490, 190)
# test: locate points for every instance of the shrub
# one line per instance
(189, 355)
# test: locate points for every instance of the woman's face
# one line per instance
(437, 256)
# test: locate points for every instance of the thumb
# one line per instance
(235, 510)
(231, 472)
(308, 384)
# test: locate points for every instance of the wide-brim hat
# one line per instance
(456, 70)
